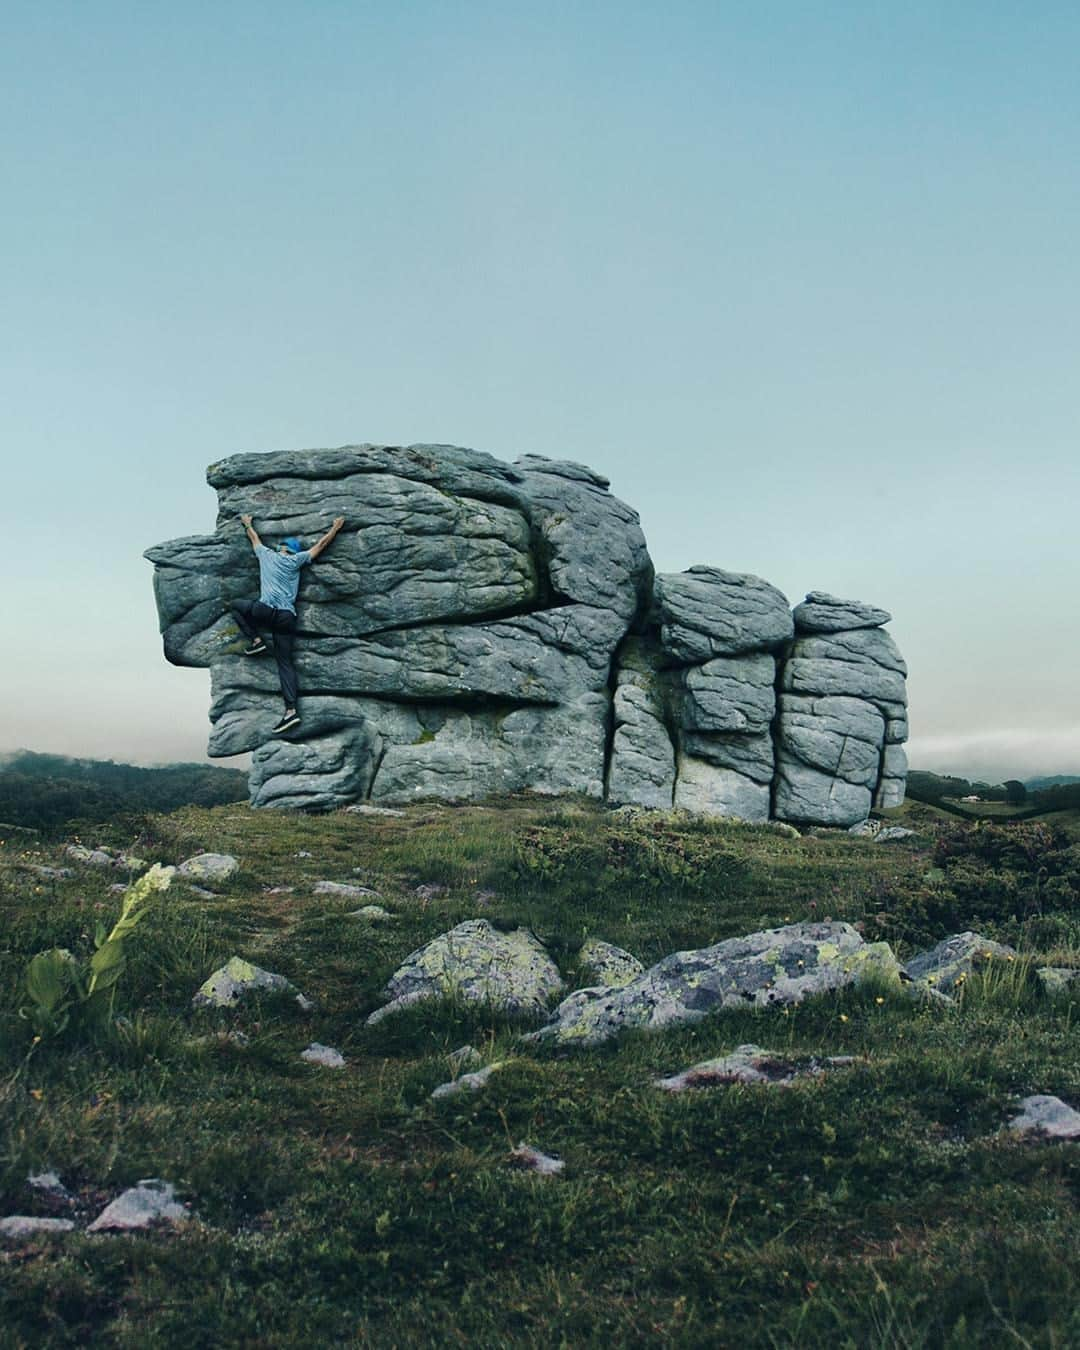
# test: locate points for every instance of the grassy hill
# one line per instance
(53, 793)
(877, 1206)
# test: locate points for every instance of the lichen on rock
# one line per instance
(476, 963)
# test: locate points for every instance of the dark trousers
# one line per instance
(254, 618)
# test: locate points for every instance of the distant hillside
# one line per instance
(1057, 781)
(45, 792)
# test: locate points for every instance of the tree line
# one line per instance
(45, 792)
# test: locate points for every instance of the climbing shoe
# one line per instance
(257, 648)
(286, 724)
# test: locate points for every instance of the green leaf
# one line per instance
(49, 976)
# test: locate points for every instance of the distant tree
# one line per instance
(1015, 792)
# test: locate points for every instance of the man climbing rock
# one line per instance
(275, 609)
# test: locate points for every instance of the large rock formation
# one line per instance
(481, 627)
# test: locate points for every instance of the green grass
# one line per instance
(876, 1206)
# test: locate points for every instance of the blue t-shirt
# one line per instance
(279, 576)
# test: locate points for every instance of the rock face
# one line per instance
(480, 627)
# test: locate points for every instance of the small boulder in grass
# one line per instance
(892, 834)
(325, 1055)
(348, 889)
(49, 1184)
(208, 867)
(142, 1205)
(750, 1064)
(92, 857)
(532, 1160)
(468, 1082)
(372, 913)
(1058, 979)
(238, 978)
(949, 964)
(27, 1225)
(1046, 1117)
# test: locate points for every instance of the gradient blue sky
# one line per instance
(802, 279)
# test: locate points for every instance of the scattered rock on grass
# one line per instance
(750, 1064)
(147, 1202)
(893, 834)
(954, 958)
(49, 1183)
(208, 867)
(468, 1082)
(431, 890)
(1048, 1116)
(92, 857)
(476, 963)
(464, 1054)
(608, 965)
(373, 914)
(25, 1225)
(364, 809)
(50, 873)
(777, 965)
(533, 1160)
(237, 977)
(1057, 979)
(346, 888)
(325, 1055)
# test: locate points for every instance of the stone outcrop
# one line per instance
(480, 627)
(774, 966)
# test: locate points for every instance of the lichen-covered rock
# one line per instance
(141, 1206)
(954, 958)
(1058, 979)
(480, 628)
(751, 1064)
(778, 965)
(371, 913)
(208, 867)
(1046, 1116)
(236, 979)
(476, 963)
(607, 965)
(92, 857)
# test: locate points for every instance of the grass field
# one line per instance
(878, 1206)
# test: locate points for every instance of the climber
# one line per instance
(275, 609)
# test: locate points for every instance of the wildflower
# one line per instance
(843, 1017)
(879, 999)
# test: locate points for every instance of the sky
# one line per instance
(801, 279)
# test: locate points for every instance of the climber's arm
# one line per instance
(251, 532)
(327, 538)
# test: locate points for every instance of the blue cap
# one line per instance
(293, 544)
